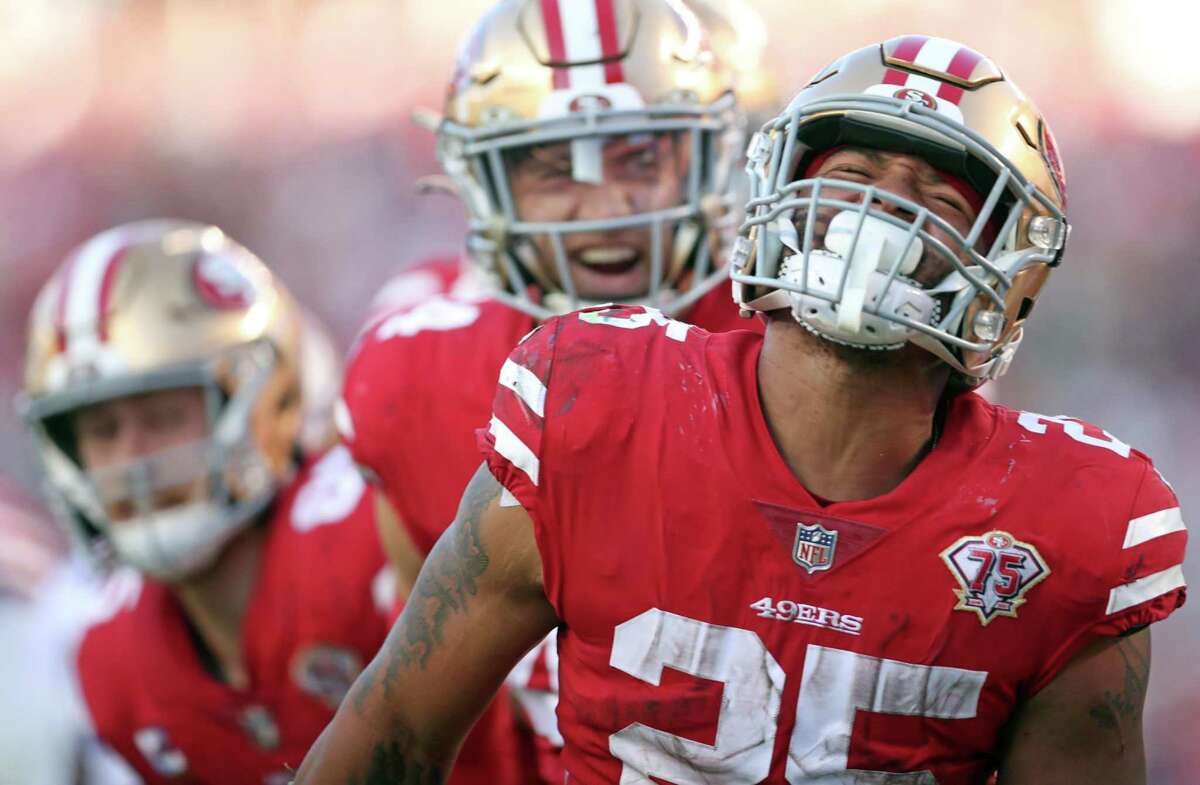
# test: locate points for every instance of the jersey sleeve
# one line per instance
(1147, 575)
(367, 412)
(1139, 570)
(570, 404)
(513, 441)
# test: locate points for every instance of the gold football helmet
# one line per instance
(580, 74)
(953, 107)
(160, 305)
(737, 34)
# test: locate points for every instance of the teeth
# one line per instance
(607, 255)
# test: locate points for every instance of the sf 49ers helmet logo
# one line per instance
(916, 96)
(220, 281)
(589, 102)
(995, 571)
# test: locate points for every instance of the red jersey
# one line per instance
(420, 380)
(427, 278)
(316, 617)
(720, 624)
(418, 383)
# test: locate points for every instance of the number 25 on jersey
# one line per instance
(834, 686)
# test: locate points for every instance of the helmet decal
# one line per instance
(221, 283)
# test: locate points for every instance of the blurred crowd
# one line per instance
(287, 122)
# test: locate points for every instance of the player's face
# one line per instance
(121, 432)
(637, 174)
(906, 176)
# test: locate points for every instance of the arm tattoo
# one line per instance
(447, 582)
(390, 766)
(1116, 708)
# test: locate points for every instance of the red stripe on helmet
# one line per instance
(552, 21)
(106, 287)
(606, 19)
(909, 47)
(60, 308)
(963, 63)
(949, 92)
(892, 76)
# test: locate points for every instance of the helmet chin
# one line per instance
(844, 292)
(178, 542)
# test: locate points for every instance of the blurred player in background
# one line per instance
(46, 600)
(814, 556)
(320, 384)
(593, 144)
(163, 386)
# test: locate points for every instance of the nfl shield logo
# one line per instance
(815, 546)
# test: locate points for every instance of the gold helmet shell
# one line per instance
(948, 104)
(737, 34)
(541, 72)
(158, 305)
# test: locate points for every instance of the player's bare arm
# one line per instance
(477, 606)
(1086, 725)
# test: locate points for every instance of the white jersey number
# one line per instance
(436, 313)
(676, 330)
(834, 686)
(738, 659)
(1036, 423)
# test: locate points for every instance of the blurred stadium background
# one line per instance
(287, 123)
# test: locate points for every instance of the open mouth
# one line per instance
(608, 260)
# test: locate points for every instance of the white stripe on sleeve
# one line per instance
(1143, 589)
(1156, 524)
(514, 450)
(526, 385)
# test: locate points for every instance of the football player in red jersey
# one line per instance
(814, 556)
(585, 182)
(163, 387)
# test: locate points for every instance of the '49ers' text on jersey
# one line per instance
(718, 619)
(316, 615)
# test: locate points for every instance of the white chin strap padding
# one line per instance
(879, 246)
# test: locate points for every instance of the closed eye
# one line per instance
(951, 202)
(847, 169)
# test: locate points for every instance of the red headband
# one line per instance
(957, 183)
